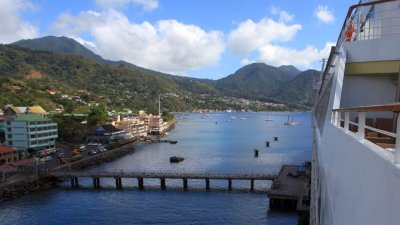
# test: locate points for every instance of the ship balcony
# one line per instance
(370, 129)
(371, 33)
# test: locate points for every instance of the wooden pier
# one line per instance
(140, 176)
(291, 190)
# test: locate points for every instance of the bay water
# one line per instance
(215, 143)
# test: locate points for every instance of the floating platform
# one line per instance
(175, 159)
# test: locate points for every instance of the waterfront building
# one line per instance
(133, 125)
(31, 133)
(8, 154)
(107, 134)
(154, 123)
(12, 112)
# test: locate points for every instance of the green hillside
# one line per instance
(64, 65)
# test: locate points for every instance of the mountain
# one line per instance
(289, 70)
(59, 45)
(255, 80)
(298, 91)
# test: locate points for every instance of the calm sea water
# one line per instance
(218, 143)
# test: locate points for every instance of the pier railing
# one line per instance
(386, 139)
(164, 174)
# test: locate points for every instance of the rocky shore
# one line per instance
(23, 184)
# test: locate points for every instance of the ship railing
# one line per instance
(365, 21)
(362, 128)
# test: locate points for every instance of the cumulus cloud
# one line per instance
(168, 46)
(249, 35)
(324, 14)
(279, 55)
(283, 15)
(147, 5)
(12, 26)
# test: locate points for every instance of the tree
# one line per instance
(97, 116)
(167, 116)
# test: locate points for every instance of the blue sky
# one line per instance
(196, 38)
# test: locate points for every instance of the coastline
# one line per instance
(22, 184)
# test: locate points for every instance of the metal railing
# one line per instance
(361, 124)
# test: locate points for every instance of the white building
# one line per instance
(31, 133)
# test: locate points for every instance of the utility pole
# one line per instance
(159, 105)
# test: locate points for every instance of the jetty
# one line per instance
(291, 190)
(162, 175)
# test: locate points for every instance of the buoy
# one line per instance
(255, 152)
(267, 143)
(275, 138)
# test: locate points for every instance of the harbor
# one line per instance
(217, 151)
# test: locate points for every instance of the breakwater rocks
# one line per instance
(24, 184)
(97, 159)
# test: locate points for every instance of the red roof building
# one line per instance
(8, 154)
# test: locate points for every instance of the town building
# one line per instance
(8, 154)
(108, 134)
(154, 124)
(31, 133)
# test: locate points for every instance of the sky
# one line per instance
(196, 38)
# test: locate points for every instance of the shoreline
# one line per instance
(22, 184)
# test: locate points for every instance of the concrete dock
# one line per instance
(291, 190)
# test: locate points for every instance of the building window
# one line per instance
(10, 142)
(9, 136)
(8, 122)
(33, 136)
(9, 129)
(31, 123)
(33, 142)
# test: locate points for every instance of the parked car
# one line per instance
(61, 155)
(92, 152)
(101, 149)
(47, 158)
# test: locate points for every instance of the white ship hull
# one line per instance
(354, 179)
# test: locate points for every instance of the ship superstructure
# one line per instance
(356, 146)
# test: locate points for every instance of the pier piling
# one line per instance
(185, 184)
(162, 182)
(140, 183)
(230, 184)
(207, 184)
(252, 185)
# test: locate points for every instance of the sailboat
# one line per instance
(268, 119)
(290, 122)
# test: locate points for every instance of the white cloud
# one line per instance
(12, 26)
(147, 5)
(283, 15)
(249, 35)
(324, 14)
(168, 45)
(278, 55)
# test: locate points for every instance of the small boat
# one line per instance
(268, 119)
(173, 142)
(290, 122)
(175, 159)
(242, 118)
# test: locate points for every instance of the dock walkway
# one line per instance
(291, 189)
(162, 175)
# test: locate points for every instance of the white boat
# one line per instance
(268, 119)
(355, 172)
(290, 122)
